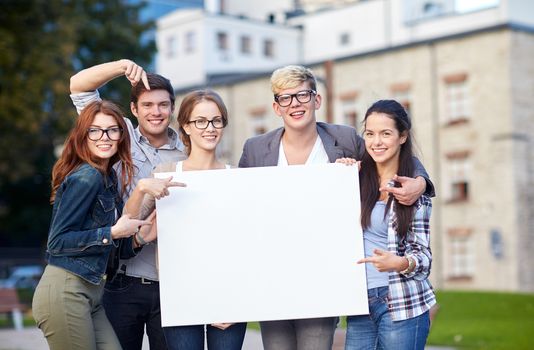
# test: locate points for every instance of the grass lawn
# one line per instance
(482, 320)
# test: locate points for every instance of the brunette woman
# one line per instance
(202, 118)
(396, 240)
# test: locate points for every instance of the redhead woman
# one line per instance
(85, 238)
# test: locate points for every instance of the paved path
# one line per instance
(32, 339)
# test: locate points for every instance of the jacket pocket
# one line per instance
(104, 211)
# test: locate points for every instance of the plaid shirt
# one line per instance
(411, 295)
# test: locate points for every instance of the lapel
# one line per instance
(330, 144)
(270, 157)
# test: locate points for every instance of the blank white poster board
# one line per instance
(260, 244)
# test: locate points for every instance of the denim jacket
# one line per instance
(86, 206)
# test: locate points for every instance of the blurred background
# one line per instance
(464, 69)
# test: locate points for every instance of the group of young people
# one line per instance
(100, 288)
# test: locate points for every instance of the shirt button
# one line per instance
(105, 241)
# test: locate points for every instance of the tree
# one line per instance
(43, 43)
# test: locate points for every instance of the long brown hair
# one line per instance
(76, 151)
(188, 104)
(369, 179)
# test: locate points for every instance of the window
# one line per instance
(461, 254)
(268, 48)
(432, 8)
(416, 10)
(468, 6)
(222, 41)
(172, 46)
(458, 104)
(258, 121)
(246, 45)
(344, 39)
(349, 108)
(458, 166)
(190, 42)
(401, 93)
(350, 117)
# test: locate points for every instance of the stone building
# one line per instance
(468, 83)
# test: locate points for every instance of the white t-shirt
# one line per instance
(317, 155)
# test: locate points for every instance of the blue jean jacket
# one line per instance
(86, 206)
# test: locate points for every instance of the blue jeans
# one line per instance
(131, 304)
(378, 331)
(192, 337)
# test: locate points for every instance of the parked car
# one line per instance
(23, 277)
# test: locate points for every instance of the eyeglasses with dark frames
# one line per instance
(303, 96)
(95, 134)
(202, 124)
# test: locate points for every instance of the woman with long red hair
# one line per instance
(85, 238)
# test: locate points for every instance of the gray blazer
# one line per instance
(338, 140)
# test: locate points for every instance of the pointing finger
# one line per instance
(366, 260)
(144, 79)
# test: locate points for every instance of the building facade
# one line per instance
(470, 93)
(196, 46)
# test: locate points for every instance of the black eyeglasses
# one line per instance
(95, 134)
(217, 123)
(303, 96)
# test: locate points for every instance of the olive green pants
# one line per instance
(68, 310)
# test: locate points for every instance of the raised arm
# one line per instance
(94, 77)
(142, 199)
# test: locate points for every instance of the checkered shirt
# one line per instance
(412, 294)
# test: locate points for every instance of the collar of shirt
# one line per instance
(174, 142)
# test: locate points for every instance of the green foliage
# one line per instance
(43, 43)
(478, 320)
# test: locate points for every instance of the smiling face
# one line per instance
(298, 116)
(104, 148)
(204, 139)
(382, 138)
(153, 111)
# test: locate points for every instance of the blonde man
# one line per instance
(303, 140)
